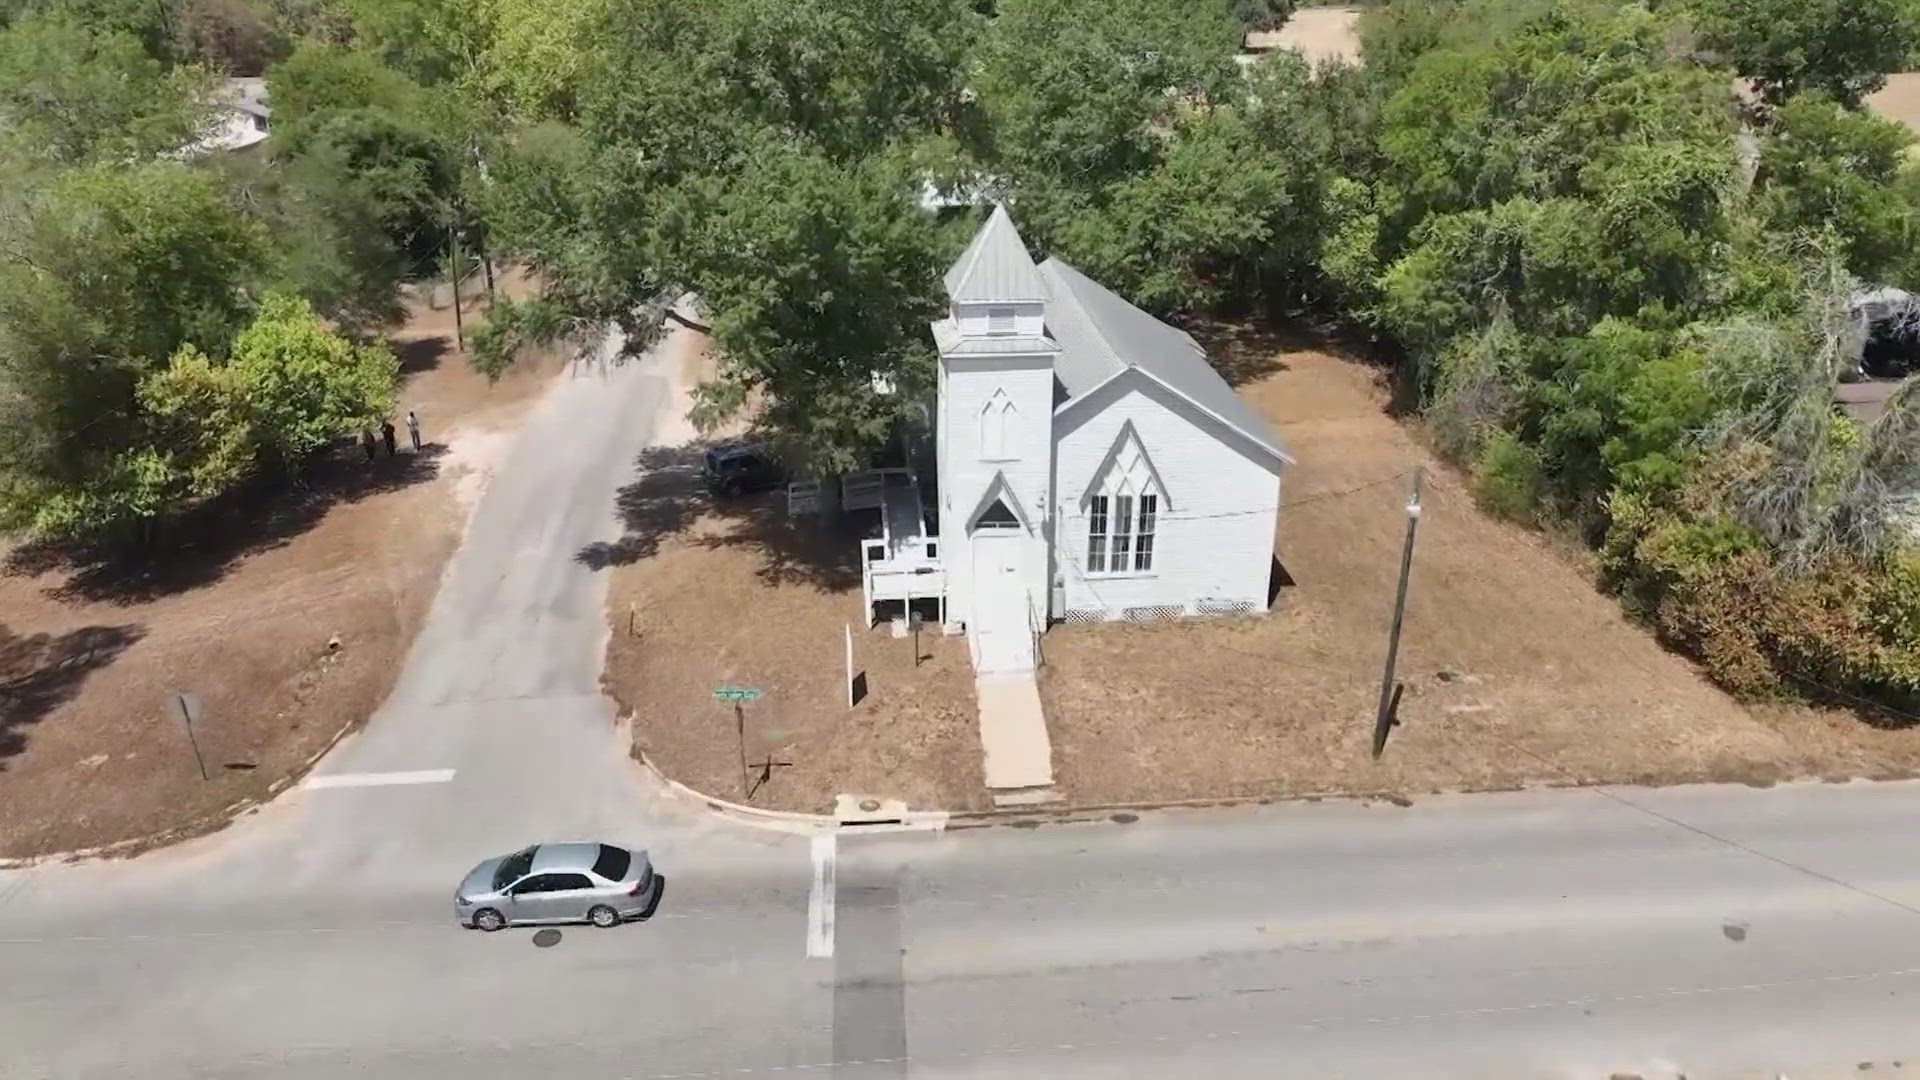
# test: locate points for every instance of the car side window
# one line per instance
(564, 882)
(538, 883)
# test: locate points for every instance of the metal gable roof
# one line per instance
(995, 267)
(1103, 335)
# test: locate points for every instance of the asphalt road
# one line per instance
(1545, 934)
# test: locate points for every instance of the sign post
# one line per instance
(849, 665)
(1383, 720)
(738, 695)
(188, 708)
(913, 623)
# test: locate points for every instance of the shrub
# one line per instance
(1846, 626)
(1506, 478)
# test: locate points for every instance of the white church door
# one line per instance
(1001, 631)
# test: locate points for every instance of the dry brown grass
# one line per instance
(733, 595)
(90, 653)
(1517, 670)
(1899, 99)
(1321, 34)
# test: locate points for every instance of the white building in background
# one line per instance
(241, 121)
(1091, 465)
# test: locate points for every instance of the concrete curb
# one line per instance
(200, 826)
(793, 822)
(1017, 817)
(1027, 817)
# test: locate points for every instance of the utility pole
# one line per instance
(740, 728)
(1383, 720)
(187, 706)
(453, 272)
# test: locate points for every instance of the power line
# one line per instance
(1319, 496)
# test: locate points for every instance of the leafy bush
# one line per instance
(1711, 588)
(1506, 478)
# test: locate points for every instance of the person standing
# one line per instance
(386, 436)
(366, 442)
(413, 430)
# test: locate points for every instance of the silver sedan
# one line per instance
(556, 883)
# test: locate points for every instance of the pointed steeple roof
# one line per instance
(995, 268)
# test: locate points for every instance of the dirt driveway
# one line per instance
(1516, 669)
(91, 653)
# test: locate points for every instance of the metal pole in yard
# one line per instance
(740, 727)
(1383, 720)
(453, 272)
(189, 710)
(849, 665)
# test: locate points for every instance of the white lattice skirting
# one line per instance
(1158, 612)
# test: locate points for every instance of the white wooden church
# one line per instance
(1090, 463)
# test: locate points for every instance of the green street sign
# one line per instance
(729, 693)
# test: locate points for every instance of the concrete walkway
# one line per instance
(1013, 732)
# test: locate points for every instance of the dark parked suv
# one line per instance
(739, 469)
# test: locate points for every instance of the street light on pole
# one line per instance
(1383, 720)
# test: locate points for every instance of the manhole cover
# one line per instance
(546, 939)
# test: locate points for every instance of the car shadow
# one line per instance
(653, 905)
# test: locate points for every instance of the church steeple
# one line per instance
(995, 268)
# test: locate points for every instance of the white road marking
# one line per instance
(378, 779)
(820, 900)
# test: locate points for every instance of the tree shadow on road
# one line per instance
(199, 548)
(41, 672)
(663, 500)
(668, 497)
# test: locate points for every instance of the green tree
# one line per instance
(430, 41)
(763, 155)
(345, 121)
(818, 278)
(1078, 95)
(537, 53)
(154, 24)
(330, 244)
(304, 386)
(104, 273)
(1845, 48)
(1825, 168)
(236, 37)
(1261, 15)
(1173, 237)
(72, 93)
(200, 426)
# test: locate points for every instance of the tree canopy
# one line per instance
(1844, 48)
(1617, 291)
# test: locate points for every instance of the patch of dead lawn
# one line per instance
(705, 596)
(1516, 669)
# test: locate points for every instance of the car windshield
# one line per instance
(512, 869)
(612, 863)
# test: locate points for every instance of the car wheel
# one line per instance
(603, 916)
(489, 920)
